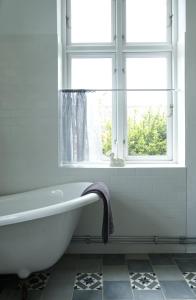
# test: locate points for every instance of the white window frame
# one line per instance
(118, 49)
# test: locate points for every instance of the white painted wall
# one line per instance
(145, 201)
(191, 118)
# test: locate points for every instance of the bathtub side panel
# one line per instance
(35, 245)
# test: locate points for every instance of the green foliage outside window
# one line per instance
(146, 136)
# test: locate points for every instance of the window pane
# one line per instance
(147, 123)
(96, 73)
(90, 21)
(91, 73)
(146, 21)
(147, 73)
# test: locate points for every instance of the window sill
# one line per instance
(132, 165)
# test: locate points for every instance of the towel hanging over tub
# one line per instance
(102, 191)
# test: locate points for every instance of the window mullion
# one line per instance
(120, 79)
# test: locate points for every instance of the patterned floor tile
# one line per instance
(190, 278)
(88, 281)
(36, 281)
(144, 281)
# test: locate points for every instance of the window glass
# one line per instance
(147, 123)
(91, 21)
(147, 72)
(91, 73)
(146, 21)
(96, 73)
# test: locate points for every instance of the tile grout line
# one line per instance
(162, 292)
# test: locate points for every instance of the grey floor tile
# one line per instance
(10, 277)
(57, 289)
(35, 295)
(186, 265)
(184, 255)
(136, 256)
(63, 274)
(148, 295)
(117, 290)
(168, 273)
(177, 290)
(87, 295)
(139, 266)
(9, 284)
(89, 266)
(161, 259)
(115, 273)
(113, 259)
(68, 262)
(91, 256)
(10, 294)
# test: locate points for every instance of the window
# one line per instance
(123, 53)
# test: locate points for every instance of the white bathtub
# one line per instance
(36, 227)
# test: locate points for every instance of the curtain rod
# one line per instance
(116, 90)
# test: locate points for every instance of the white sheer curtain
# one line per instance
(74, 146)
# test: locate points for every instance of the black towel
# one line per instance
(102, 191)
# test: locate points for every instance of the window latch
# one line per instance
(171, 108)
(67, 22)
(170, 20)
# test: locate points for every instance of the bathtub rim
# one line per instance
(48, 210)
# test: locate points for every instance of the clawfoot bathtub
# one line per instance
(36, 227)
